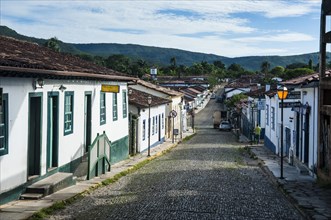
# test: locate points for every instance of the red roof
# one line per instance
(140, 99)
(19, 58)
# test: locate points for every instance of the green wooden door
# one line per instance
(35, 134)
(52, 130)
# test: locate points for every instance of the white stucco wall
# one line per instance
(13, 166)
(271, 133)
(174, 105)
(155, 111)
(310, 96)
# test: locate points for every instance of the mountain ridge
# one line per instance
(161, 56)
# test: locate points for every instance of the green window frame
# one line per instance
(114, 106)
(125, 109)
(144, 130)
(102, 108)
(4, 125)
(153, 126)
(267, 115)
(68, 113)
(272, 121)
(162, 121)
(156, 125)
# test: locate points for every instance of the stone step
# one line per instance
(48, 186)
(82, 169)
(31, 196)
(303, 170)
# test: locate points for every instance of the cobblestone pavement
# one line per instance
(305, 192)
(205, 177)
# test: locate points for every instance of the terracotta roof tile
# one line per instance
(24, 56)
(159, 88)
(140, 99)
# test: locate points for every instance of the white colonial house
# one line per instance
(300, 111)
(52, 108)
(177, 104)
(255, 109)
(272, 135)
(148, 114)
(303, 124)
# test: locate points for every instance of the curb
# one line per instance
(58, 205)
(279, 184)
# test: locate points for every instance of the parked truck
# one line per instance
(224, 115)
(216, 119)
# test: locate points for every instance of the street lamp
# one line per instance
(149, 101)
(282, 94)
(181, 120)
(252, 121)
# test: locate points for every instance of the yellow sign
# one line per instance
(110, 88)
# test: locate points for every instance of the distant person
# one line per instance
(257, 133)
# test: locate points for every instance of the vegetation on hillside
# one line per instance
(161, 56)
(137, 60)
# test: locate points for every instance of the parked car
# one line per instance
(225, 126)
(213, 96)
(218, 99)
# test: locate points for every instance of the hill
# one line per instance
(65, 47)
(155, 55)
(162, 56)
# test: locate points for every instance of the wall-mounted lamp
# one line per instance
(38, 83)
(62, 88)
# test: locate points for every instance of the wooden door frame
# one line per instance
(87, 93)
(34, 95)
(50, 95)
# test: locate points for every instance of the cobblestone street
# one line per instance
(205, 177)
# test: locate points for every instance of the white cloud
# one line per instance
(143, 23)
(286, 38)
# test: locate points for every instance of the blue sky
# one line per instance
(231, 28)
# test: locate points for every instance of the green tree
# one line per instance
(196, 69)
(277, 71)
(310, 64)
(236, 67)
(265, 66)
(296, 65)
(293, 73)
(235, 70)
(173, 62)
(235, 99)
(219, 64)
(53, 43)
(119, 63)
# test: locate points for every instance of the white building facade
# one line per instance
(49, 118)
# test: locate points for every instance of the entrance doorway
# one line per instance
(287, 141)
(52, 130)
(159, 127)
(87, 119)
(35, 134)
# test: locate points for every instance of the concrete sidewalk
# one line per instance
(312, 199)
(23, 209)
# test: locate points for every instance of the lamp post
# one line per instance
(252, 123)
(181, 122)
(149, 101)
(282, 94)
(192, 117)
